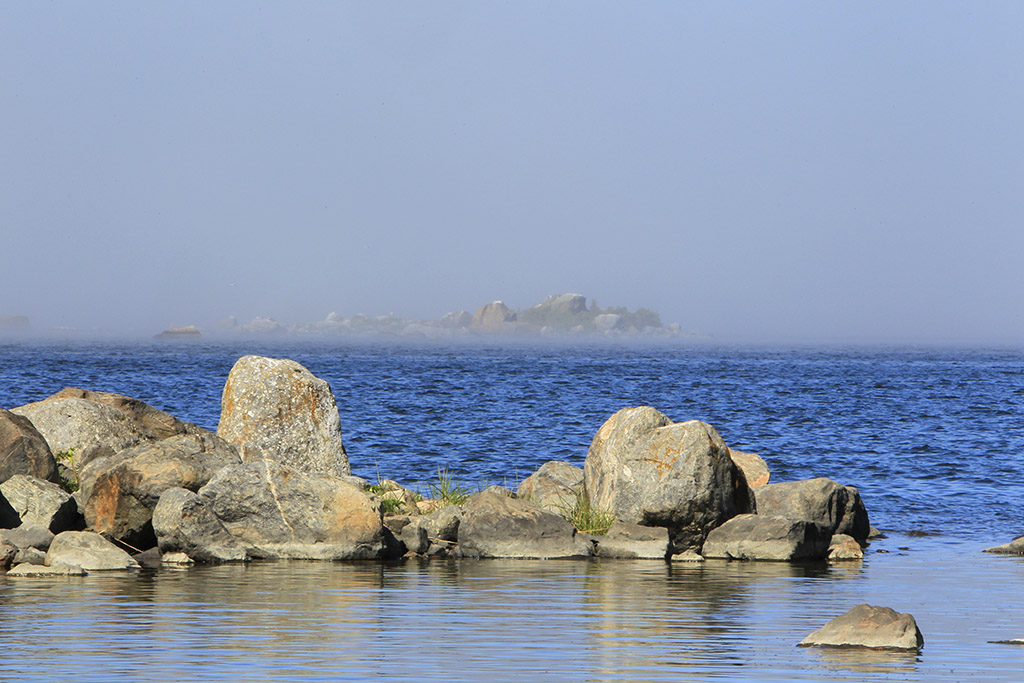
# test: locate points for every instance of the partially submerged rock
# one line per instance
(87, 550)
(763, 537)
(28, 569)
(494, 525)
(869, 627)
(23, 450)
(647, 470)
(1014, 547)
(554, 486)
(843, 548)
(41, 503)
(278, 410)
(632, 541)
(839, 508)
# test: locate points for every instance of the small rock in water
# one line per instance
(843, 547)
(1014, 547)
(869, 627)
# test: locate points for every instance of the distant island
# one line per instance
(557, 315)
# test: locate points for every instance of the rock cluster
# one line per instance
(274, 481)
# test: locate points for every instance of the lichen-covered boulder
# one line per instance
(120, 491)
(87, 550)
(152, 422)
(277, 409)
(23, 450)
(869, 627)
(285, 512)
(839, 508)
(81, 427)
(647, 470)
(41, 503)
(554, 486)
(495, 525)
(763, 537)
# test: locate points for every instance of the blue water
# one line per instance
(932, 437)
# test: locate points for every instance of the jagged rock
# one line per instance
(87, 550)
(149, 559)
(762, 537)
(494, 525)
(755, 469)
(1014, 547)
(23, 450)
(839, 508)
(493, 316)
(442, 524)
(554, 486)
(42, 503)
(27, 536)
(26, 569)
(843, 547)
(278, 410)
(184, 523)
(120, 491)
(634, 541)
(647, 470)
(30, 556)
(870, 627)
(285, 512)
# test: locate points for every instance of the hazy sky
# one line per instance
(772, 171)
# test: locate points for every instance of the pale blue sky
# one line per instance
(761, 171)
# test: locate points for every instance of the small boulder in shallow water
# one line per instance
(1014, 547)
(870, 627)
(839, 508)
(87, 550)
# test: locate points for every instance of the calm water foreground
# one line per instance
(932, 438)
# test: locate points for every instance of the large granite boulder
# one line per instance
(495, 525)
(87, 550)
(184, 523)
(493, 316)
(554, 486)
(869, 627)
(285, 512)
(839, 508)
(120, 491)
(762, 537)
(43, 504)
(85, 428)
(647, 470)
(23, 450)
(277, 409)
(152, 422)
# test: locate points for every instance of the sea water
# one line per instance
(932, 438)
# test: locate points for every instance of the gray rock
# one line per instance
(30, 556)
(494, 525)
(42, 503)
(278, 410)
(761, 537)
(869, 627)
(184, 523)
(755, 469)
(153, 423)
(7, 554)
(687, 556)
(23, 450)
(842, 548)
(1014, 547)
(87, 550)
(839, 508)
(647, 470)
(26, 569)
(85, 428)
(414, 536)
(289, 513)
(554, 486)
(442, 524)
(634, 541)
(27, 536)
(120, 491)
(177, 559)
(607, 321)
(493, 316)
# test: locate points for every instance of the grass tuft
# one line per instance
(449, 490)
(585, 517)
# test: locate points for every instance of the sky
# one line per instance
(784, 172)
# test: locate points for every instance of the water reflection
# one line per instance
(504, 620)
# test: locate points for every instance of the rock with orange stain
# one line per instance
(277, 409)
(648, 470)
(755, 469)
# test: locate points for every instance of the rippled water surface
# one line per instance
(932, 438)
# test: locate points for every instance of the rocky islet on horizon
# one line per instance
(274, 482)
